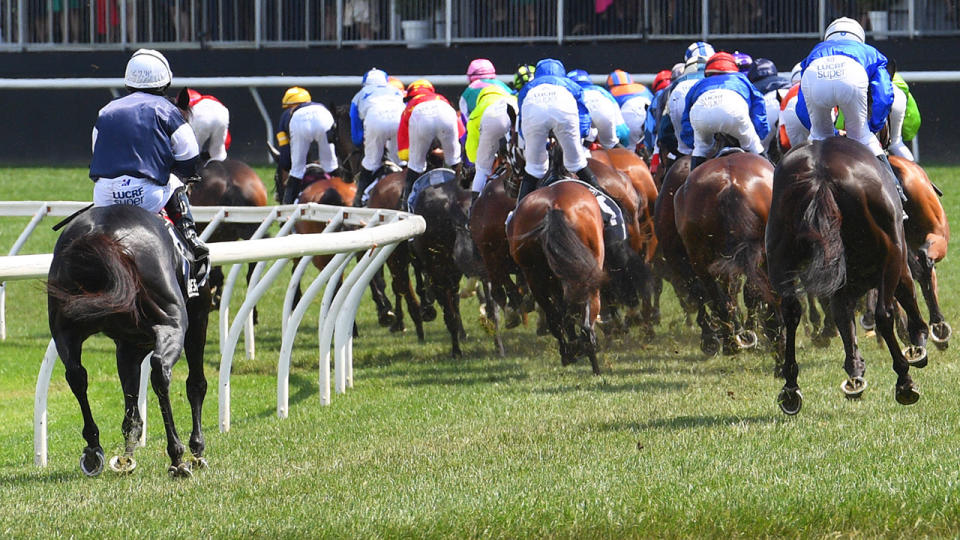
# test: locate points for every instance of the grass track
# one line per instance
(664, 444)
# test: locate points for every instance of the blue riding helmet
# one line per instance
(580, 77)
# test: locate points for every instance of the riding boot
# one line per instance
(411, 177)
(292, 189)
(178, 209)
(366, 177)
(527, 185)
(896, 181)
(696, 161)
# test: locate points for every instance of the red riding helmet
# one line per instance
(662, 80)
(419, 87)
(721, 62)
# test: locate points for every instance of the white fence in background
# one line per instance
(375, 233)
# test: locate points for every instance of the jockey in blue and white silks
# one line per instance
(677, 101)
(375, 113)
(604, 110)
(724, 102)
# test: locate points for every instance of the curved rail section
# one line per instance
(349, 232)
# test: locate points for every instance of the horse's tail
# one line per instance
(826, 270)
(103, 279)
(743, 254)
(570, 260)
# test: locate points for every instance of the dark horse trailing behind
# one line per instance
(114, 271)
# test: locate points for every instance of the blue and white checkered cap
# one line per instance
(698, 49)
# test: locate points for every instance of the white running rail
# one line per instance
(376, 233)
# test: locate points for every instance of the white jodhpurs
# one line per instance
(210, 120)
(494, 125)
(379, 132)
(675, 106)
(634, 112)
(897, 111)
(606, 116)
(309, 124)
(433, 120)
(134, 191)
(773, 116)
(551, 108)
(838, 81)
(722, 111)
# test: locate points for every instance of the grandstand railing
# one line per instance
(349, 232)
(112, 24)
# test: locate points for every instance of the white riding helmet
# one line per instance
(698, 49)
(844, 28)
(147, 69)
(795, 73)
(375, 76)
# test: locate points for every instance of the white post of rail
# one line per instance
(40, 406)
(298, 272)
(22, 239)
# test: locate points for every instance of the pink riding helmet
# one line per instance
(480, 68)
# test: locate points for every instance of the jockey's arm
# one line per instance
(183, 142)
(881, 94)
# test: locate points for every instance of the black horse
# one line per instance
(834, 227)
(114, 271)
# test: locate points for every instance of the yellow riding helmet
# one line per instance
(294, 96)
(418, 87)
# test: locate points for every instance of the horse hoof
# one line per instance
(747, 339)
(487, 325)
(179, 471)
(790, 400)
(91, 461)
(513, 318)
(907, 394)
(820, 340)
(710, 346)
(867, 324)
(940, 335)
(198, 462)
(428, 313)
(853, 387)
(387, 318)
(916, 356)
(122, 464)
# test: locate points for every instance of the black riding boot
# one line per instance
(292, 190)
(527, 185)
(696, 161)
(896, 181)
(362, 184)
(412, 176)
(587, 176)
(178, 209)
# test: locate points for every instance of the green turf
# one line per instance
(665, 443)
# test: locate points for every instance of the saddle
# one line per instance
(186, 269)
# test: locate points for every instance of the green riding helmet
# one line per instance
(523, 75)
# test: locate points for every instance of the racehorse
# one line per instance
(114, 271)
(720, 213)
(349, 155)
(556, 237)
(835, 227)
(228, 183)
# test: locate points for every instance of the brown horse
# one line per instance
(228, 183)
(720, 212)
(556, 237)
(672, 262)
(835, 230)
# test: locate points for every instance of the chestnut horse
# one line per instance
(556, 237)
(720, 212)
(835, 230)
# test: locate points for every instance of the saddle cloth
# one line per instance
(614, 229)
(185, 270)
(434, 177)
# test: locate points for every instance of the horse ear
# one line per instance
(274, 152)
(183, 100)
(891, 66)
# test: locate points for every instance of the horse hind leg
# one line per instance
(905, 390)
(69, 347)
(843, 309)
(129, 359)
(790, 399)
(194, 345)
(926, 276)
(169, 344)
(917, 330)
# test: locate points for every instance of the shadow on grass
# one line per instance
(587, 385)
(41, 476)
(687, 422)
(457, 372)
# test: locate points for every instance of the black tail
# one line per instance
(103, 279)
(826, 270)
(743, 253)
(570, 260)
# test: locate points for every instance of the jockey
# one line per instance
(840, 72)
(374, 119)
(552, 102)
(138, 140)
(660, 85)
(428, 116)
(904, 118)
(744, 61)
(634, 98)
(302, 123)
(398, 84)
(523, 75)
(480, 74)
(724, 102)
(677, 102)
(210, 121)
(489, 122)
(792, 132)
(604, 112)
(764, 76)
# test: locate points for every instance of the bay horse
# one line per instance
(228, 183)
(114, 271)
(556, 237)
(835, 230)
(720, 213)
